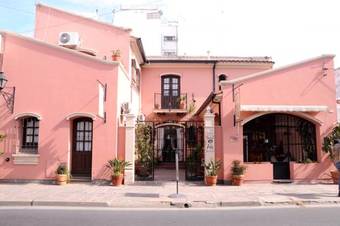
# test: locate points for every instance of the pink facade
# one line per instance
(58, 86)
(302, 84)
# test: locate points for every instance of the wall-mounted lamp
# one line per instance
(7, 95)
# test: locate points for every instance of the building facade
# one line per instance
(73, 104)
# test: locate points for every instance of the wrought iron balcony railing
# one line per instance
(164, 103)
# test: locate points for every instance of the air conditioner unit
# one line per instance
(69, 39)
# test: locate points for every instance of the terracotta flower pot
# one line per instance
(117, 180)
(335, 176)
(237, 180)
(211, 180)
(61, 179)
(115, 58)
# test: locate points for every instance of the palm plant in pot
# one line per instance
(62, 174)
(211, 169)
(117, 167)
(237, 173)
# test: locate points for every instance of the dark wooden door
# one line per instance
(82, 147)
(170, 92)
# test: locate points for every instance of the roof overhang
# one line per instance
(214, 98)
(283, 108)
(271, 71)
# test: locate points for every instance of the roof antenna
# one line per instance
(208, 54)
(97, 14)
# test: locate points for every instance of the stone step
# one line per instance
(80, 179)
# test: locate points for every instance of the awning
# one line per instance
(284, 108)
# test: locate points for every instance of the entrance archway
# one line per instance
(169, 138)
(279, 138)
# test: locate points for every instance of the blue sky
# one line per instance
(18, 15)
(287, 30)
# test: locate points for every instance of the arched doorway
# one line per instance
(279, 138)
(82, 139)
(169, 139)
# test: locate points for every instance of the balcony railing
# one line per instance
(174, 104)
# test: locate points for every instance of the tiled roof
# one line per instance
(178, 59)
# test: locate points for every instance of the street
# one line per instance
(299, 216)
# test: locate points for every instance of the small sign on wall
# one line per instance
(210, 140)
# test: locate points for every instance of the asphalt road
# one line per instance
(163, 217)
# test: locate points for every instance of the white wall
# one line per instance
(126, 93)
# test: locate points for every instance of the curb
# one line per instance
(16, 203)
(168, 204)
(70, 204)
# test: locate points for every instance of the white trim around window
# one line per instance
(81, 114)
(27, 114)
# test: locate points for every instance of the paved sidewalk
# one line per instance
(152, 194)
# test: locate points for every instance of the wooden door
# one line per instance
(170, 92)
(82, 147)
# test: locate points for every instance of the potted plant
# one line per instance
(327, 147)
(182, 100)
(117, 170)
(62, 174)
(212, 168)
(116, 55)
(144, 151)
(237, 173)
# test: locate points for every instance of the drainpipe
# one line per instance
(214, 77)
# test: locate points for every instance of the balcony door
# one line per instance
(171, 92)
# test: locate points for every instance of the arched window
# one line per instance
(279, 138)
(171, 92)
(29, 134)
(222, 77)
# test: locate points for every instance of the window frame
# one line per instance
(34, 135)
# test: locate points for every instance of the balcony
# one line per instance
(170, 104)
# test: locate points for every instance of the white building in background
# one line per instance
(159, 36)
(169, 38)
(337, 80)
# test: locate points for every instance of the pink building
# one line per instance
(73, 104)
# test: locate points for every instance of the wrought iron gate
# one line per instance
(151, 148)
(194, 150)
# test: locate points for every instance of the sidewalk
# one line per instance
(155, 194)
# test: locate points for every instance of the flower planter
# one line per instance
(61, 179)
(115, 58)
(117, 180)
(335, 176)
(237, 180)
(211, 180)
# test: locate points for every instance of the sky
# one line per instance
(286, 30)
